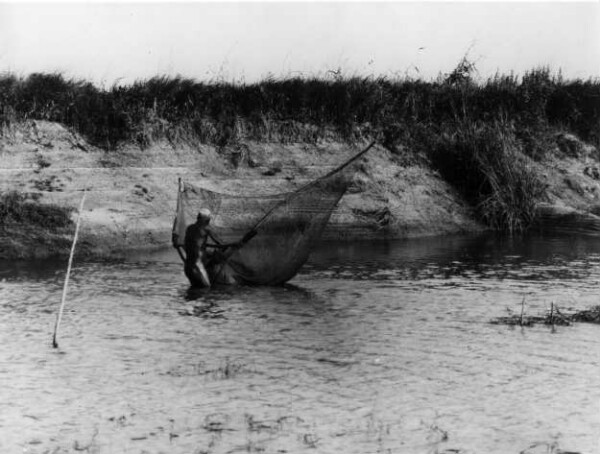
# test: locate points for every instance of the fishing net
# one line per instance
(277, 232)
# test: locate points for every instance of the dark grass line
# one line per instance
(278, 109)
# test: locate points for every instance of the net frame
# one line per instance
(276, 232)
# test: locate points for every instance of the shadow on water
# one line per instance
(484, 256)
(475, 248)
(223, 292)
(36, 269)
(362, 259)
(213, 302)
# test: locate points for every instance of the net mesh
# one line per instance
(284, 227)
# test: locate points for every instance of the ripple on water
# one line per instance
(385, 348)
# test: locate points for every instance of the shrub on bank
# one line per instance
(18, 209)
(486, 164)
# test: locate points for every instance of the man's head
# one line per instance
(204, 216)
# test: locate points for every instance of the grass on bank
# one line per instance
(28, 228)
(301, 109)
(486, 163)
(478, 135)
(18, 208)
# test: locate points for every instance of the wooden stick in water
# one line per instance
(179, 191)
(180, 252)
(64, 294)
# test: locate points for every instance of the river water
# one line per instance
(374, 348)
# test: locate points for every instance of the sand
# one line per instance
(131, 192)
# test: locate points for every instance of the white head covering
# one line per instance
(204, 213)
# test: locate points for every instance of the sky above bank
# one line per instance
(248, 41)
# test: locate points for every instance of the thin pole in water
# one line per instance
(522, 309)
(64, 294)
(179, 211)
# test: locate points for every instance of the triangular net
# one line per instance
(284, 227)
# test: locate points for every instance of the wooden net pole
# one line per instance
(178, 210)
(64, 294)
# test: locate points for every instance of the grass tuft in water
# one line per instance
(554, 317)
(226, 370)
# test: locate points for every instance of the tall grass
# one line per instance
(486, 163)
(299, 109)
(18, 209)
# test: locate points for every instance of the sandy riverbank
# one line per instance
(131, 192)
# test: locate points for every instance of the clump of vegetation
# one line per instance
(227, 370)
(553, 317)
(591, 315)
(485, 162)
(18, 209)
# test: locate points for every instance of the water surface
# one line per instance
(374, 348)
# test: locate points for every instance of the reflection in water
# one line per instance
(372, 348)
(207, 302)
(481, 256)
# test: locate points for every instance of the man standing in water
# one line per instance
(196, 244)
